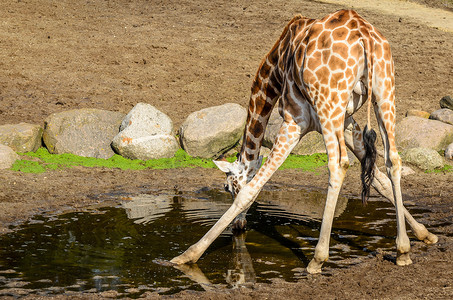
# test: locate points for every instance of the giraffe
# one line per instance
(320, 72)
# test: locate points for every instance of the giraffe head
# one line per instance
(238, 173)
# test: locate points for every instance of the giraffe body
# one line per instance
(320, 72)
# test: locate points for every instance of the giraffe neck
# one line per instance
(265, 92)
(262, 101)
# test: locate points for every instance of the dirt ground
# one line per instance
(182, 56)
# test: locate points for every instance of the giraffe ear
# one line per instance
(223, 165)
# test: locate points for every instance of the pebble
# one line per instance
(449, 152)
(446, 102)
(417, 113)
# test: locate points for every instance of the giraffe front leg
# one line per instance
(243, 200)
(287, 139)
(338, 164)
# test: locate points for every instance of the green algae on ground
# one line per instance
(42, 161)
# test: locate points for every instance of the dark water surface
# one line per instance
(115, 248)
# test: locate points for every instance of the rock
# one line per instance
(109, 294)
(85, 132)
(272, 129)
(414, 132)
(423, 158)
(212, 131)
(311, 143)
(146, 147)
(147, 120)
(446, 102)
(417, 113)
(146, 133)
(264, 151)
(352, 158)
(444, 115)
(449, 152)
(7, 157)
(22, 137)
(405, 171)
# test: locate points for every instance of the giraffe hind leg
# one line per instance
(393, 163)
(381, 183)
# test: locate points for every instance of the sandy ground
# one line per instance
(181, 56)
(432, 16)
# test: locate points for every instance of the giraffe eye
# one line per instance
(225, 187)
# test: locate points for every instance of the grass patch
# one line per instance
(42, 161)
(445, 169)
(28, 166)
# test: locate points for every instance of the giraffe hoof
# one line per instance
(163, 262)
(239, 225)
(403, 259)
(314, 267)
(178, 260)
(431, 239)
(185, 258)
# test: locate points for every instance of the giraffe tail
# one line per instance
(368, 161)
(369, 135)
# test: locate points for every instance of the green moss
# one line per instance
(42, 161)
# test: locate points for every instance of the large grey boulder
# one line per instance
(444, 115)
(86, 132)
(146, 133)
(272, 129)
(146, 147)
(423, 158)
(145, 120)
(413, 132)
(7, 157)
(212, 131)
(22, 137)
(311, 143)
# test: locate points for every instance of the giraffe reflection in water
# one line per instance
(240, 274)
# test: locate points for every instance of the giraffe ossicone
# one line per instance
(321, 72)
